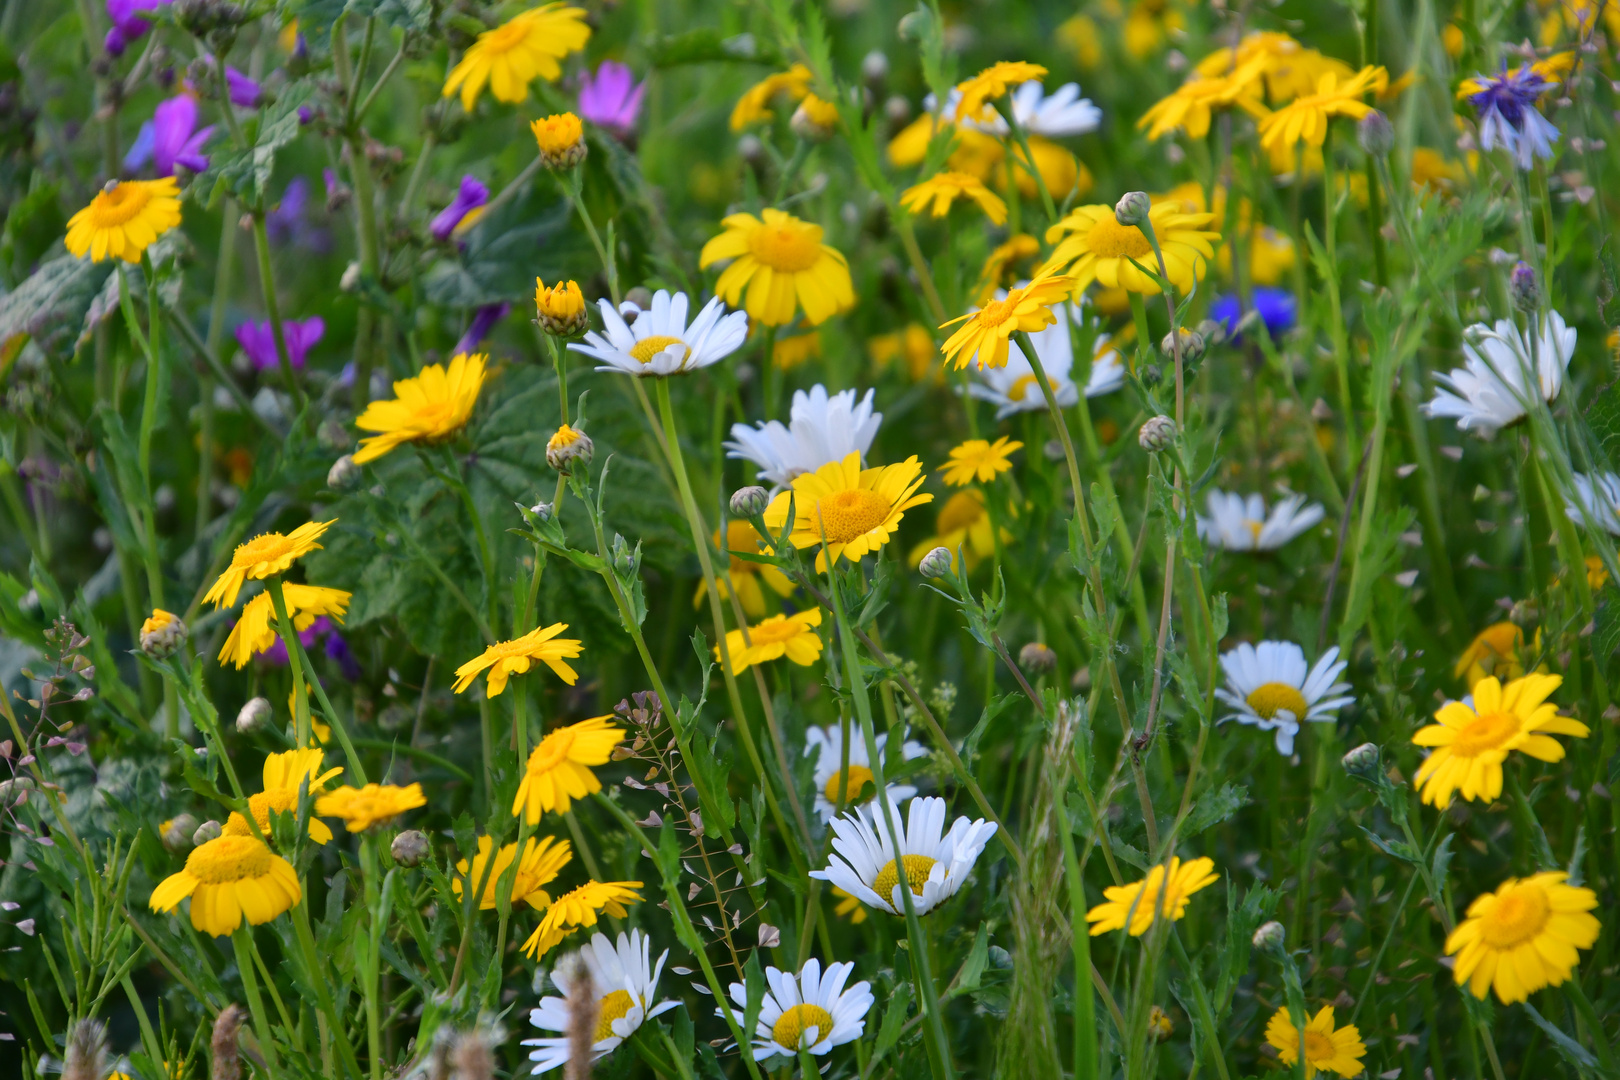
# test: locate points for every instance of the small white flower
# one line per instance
(1061, 113)
(1599, 497)
(1274, 689)
(808, 1011)
(1014, 388)
(821, 427)
(936, 863)
(828, 746)
(1239, 523)
(1491, 391)
(659, 342)
(627, 981)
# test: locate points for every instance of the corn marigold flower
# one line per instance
(264, 555)
(1496, 650)
(559, 769)
(1013, 387)
(227, 878)
(561, 139)
(427, 408)
(1523, 936)
(778, 636)
(1093, 246)
(984, 334)
(253, 633)
(1242, 523)
(1289, 68)
(514, 54)
(374, 804)
(783, 265)
(1149, 25)
(809, 1011)
(848, 511)
(543, 859)
(1140, 902)
(963, 524)
(284, 774)
(788, 353)
(993, 83)
(560, 309)
(567, 447)
(626, 979)
(1001, 264)
(979, 459)
(1272, 687)
(1189, 107)
(854, 785)
(822, 428)
(1493, 388)
(660, 342)
(162, 634)
(124, 219)
(507, 658)
(847, 906)
(912, 346)
(743, 576)
(579, 908)
(1327, 1049)
(1471, 743)
(754, 106)
(936, 862)
(1305, 119)
(815, 118)
(943, 189)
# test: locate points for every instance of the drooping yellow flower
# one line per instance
(984, 334)
(963, 523)
(227, 878)
(1003, 261)
(789, 352)
(1327, 1049)
(1093, 246)
(559, 769)
(783, 265)
(262, 556)
(1523, 936)
(1140, 901)
(253, 633)
(561, 140)
(778, 636)
(507, 658)
(913, 345)
(1496, 650)
(284, 773)
(754, 106)
(856, 511)
(979, 459)
(517, 52)
(429, 408)
(1290, 69)
(1470, 745)
(942, 189)
(1305, 119)
(743, 576)
(579, 908)
(992, 83)
(543, 859)
(1059, 170)
(124, 219)
(1190, 106)
(374, 804)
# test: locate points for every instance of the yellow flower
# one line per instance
(512, 55)
(744, 576)
(374, 804)
(1093, 246)
(783, 264)
(157, 621)
(253, 634)
(560, 308)
(1080, 35)
(124, 219)
(856, 510)
(1431, 172)
(754, 106)
(1597, 575)
(913, 344)
(979, 459)
(1290, 69)
(985, 333)
(561, 139)
(227, 878)
(559, 769)
(944, 188)
(262, 556)
(1001, 262)
(992, 83)
(789, 352)
(1060, 170)
(574, 909)
(1326, 1049)
(818, 117)
(848, 907)
(429, 408)
(1189, 107)
(1470, 744)
(542, 861)
(1306, 118)
(910, 144)
(1139, 901)
(1495, 650)
(1523, 936)
(507, 658)
(963, 522)
(1271, 256)
(776, 637)
(1148, 25)
(284, 773)
(1453, 39)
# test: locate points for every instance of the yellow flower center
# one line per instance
(789, 248)
(1486, 733)
(1255, 528)
(647, 348)
(281, 800)
(112, 208)
(260, 549)
(504, 38)
(566, 436)
(851, 513)
(995, 312)
(1318, 1047)
(1020, 387)
(961, 511)
(613, 1007)
(1108, 239)
(552, 751)
(1274, 697)
(227, 859)
(1517, 917)
(774, 633)
(860, 778)
(793, 1023)
(918, 867)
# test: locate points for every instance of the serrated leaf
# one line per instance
(1214, 807)
(1393, 848)
(1603, 418)
(894, 1019)
(49, 306)
(1572, 1051)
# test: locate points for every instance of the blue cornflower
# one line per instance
(1276, 308)
(1508, 116)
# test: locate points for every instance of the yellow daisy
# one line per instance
(1523, 936)
(1190, 106)
(559, 769)
(848, 906)
(574, 909)
(513, 54)
(228, 878)
(783, 264)
(914, 345)
(1149, 25)
(992, 83)
(778, 636)
(1000, 267)
(1327, 1049)
(789, 352)
(1290, 68)
(1471, 744)
(1305, 119)
(856, 510)
(1060, 171)
(374, 804)
(1139, 901)
(428, 408)
(1495, 650)
(124, 219)
(942, 189)
(560, 139)
(284, 773)
(985, 333)
(743, 576)
(507, 658)
(978, 459)
(543, 859)
(262, 556)
(560, 308)
(1093, 246)
(253, 633)
(963, 522)
(754, 106)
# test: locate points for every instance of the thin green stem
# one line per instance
(295, 648)
(250, 987)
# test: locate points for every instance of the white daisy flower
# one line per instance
(1490, 392)
(659, 342)
(1241, 523)
(821, 427)
(936, 862)
(1599, 498)
(1061, 113)
(1274, 689)
(1014, 388)
(809, 1011)
(627, 980)
(828, 746)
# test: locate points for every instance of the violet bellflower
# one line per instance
(245, 92)
(484, 320)
(127, 23)
(171, 138)
(471, 196)
(259, 344)
(611, 98)
(1508, 117)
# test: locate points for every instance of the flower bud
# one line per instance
(1151, 375)
(1375, 134)
(1362, 761)
(176, 833)
(751, 149)
(253, 716)
(1524, 287)
(748, 501)
(344, 475)
(936, 563)
(1133, 208)
(1157, 434)
(333, 436)
(875, 67)
(162, 634)
(1192, 344)
(560, 309)
(208, 830)
(896, 109)
(815, 119)
(350, 281)
(568, 447)
(1037, 659)
(561, 138)
(1159, 1026)
(1269, 938)
(409, 848)
(542, 510)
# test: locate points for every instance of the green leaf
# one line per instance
(1393, 848)
(1214, 807)
(1572, 1051)
(50, 306)
(708, 46)
(894, 1018)
(1603, 418)
(967, 980)
(1605, 632)
(713, 773)
(1442, 861)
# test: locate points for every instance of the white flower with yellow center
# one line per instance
(1057, 115)
(1242, 523)
(1598, 496)
(859, 785)
(936, 862)
(1501, 363)
(658, 341)
(808, 1011)
(626, 980)
(821, 427)
(1013, 388)
(1272, 687)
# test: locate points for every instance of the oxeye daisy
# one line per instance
(936, 194)
(936, 862)
(1597, 498)
(543, 859)
(1013, 388)
(783, 265)
(1242, 523)
(228, 878)
(559, 769)
(1327, 1049)
(262, 556)
(963, 523)
(1272, 687)
(253, 633)
(754, 106)
(809, 1011)
(507, 658)
(1523, 936)
(1471, 743)
(791, 636)
(428, 408)
(1492, 390)
(625, 980)
(374, 804)
(124, 219)
(984, 334)
(514, 54)
(979, 459)
(822, 428)
(1091, 245)
(1138, 902)
(1060, 114)
(855, 784)
(742, 576)
(284, 774)
(848, 511)
(992, 83)
(1306, 118)
(579, 908)
(660, 342)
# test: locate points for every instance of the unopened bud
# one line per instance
(162, 634)
(748, 501)
(815, 119)
(253, 716)
(542, 510)
(1133, 208)
(1157, 434)
(751, 150)
(350, 281)
(1269, 938)
(1524, 287)
(569, 447)
(1375, 134)
(178, 831)
(1151, 375)
(409, 848)
(936, 563)
(333, 436)
(1362, 761)
(875, 67)
(344, 475)
(208, 830)
(1036, 658)
(1191, 341)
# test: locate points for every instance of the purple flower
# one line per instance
(260, 344)
(305, 114)
(175, 137)
(1508, 116)
(1275, 307)
(338, 650)
(127, 25)
(612, 98)
(282, 221)
(470, 197)
(245, 92)
(484, 320)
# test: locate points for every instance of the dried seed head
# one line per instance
(86, 1051)
(223, 1047)
(582, 1017)
(409, 848)
(472, 1056)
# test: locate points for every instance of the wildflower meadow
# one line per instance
(876, 539)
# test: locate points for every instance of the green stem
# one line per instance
(1594, 1023)
(295, 648)
(1085, 1004)
(272, 308)
(575, 195)
(250, 986)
